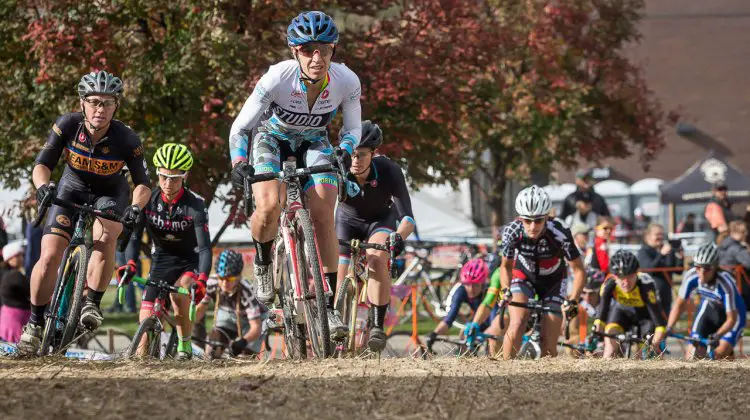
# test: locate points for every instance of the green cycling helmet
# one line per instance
(173, 156)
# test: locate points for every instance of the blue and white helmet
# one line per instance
(312, 26)
(230, 263)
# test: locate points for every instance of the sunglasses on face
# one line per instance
(163, 176)
(229, 279)
(704, 267)
(308, 50)
(96, 103)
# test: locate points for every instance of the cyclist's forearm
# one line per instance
(254, 332)
(482, 314)
(675, 313)
(579, 278)
(728, 324)
(506, 273)
(141, 195)
(442, 328)
(41, 175)
(200, 311)
(405, 228)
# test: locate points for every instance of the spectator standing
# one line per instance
(583, 214)
(687, 224)
(734, 251)
(15, 292)
(599, 257)
(658, 253)
(581, 238)
(718, 212)
(584, 187)
(640, 222)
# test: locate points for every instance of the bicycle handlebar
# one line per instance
(692, 340)
(159, 285)
(535, 306)
(624, 338)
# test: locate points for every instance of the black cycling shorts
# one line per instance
(114, 196)
(623, 318)
(169, 269)
(550, 289)
(349, 227)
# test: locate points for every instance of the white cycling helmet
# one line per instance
(533, 202)
(708, 254)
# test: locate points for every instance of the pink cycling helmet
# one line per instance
(474, 272)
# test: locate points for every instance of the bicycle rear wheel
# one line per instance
(308, 264)
(294, 334)
(399, 345)
(148, 328)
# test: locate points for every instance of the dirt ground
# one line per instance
(446, 388)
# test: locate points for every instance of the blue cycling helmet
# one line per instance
(230, 263)
(312, 26)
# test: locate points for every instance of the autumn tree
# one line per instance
(504, 88)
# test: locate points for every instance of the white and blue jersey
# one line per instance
(279, 101)
(722, 293)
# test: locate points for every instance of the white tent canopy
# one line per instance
(9, 210)
(440, 212)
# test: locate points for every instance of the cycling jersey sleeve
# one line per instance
(458, 299)
(726, 283)
(605, 300)
(493, 291)
(203, 237)
(568, 244)
(53, 148)
(351, 132)
(136, 163)
(401, 196)
(511, 232)
(249, 116)
(689, 283)
(648, 295)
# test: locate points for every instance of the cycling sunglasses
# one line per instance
(704, 267)
(229, 278)
(107, 103)
(308, 50)
(163, 175)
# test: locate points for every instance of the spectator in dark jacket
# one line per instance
(658, 253)
(687, 225)
(585, 192)
(734, 251)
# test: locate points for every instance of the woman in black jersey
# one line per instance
(381, 206)
(96, 148)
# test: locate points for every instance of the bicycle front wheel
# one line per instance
(79, 261)
(308, 264)
(294, 334)
(148, 329)
(530, 350)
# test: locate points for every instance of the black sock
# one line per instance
(262, 252)
(378, 317)
(332, 280)
(94, 296)
(37, 314)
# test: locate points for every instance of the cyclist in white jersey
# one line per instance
(287, 115)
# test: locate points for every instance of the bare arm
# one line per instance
(506, 273)
(41, 175)
(675, 313)
(254, 332)
(728, 324)
(141, 195)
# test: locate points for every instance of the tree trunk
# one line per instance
(496, 202)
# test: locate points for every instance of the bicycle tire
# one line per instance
(346, 299)
(294, 337)
(148, 326)
(393, 350)
(530, 350)
(171, 349)
(80, 260)
(49, 333)
(316, 316)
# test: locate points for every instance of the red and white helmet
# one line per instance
(474, 272)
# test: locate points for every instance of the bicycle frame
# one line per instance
(287, 232)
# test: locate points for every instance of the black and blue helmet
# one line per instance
(230, 263)
(312, 26)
